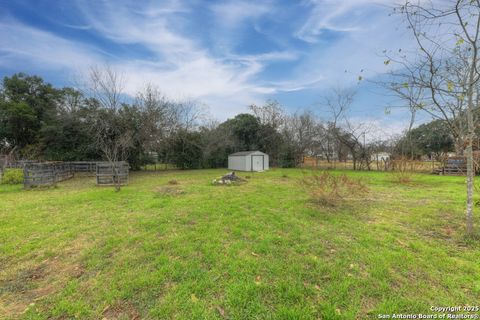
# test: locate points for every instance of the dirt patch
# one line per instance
(367, 307)
(170, 190)
(24, 287)
(121, 310)
(23, 280)
(34, 284)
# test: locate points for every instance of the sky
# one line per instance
(224, 54)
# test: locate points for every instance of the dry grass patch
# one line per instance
(121, 310)
(170, 190)
(329, 189)
(23, 290)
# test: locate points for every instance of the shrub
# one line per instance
(402, 177)
(403, 170)
(12, 176)
(173, 182)
(329, 190)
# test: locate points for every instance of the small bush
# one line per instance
(403, 170)
(173, 182)
(329, 189)
(402, 177)
(12, 176)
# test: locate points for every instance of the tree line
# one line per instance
(101, 122)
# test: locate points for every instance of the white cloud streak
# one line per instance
(182, 66)
(20, 44)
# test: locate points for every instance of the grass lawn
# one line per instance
(261, 250)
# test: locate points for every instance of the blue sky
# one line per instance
(226, 54)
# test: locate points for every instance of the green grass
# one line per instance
(260, 250)
(12, 176)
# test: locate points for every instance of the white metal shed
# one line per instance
(248, 161)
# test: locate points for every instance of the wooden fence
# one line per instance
(37, 174)
(84, 167)
(45, 174)
(380, 165)
(109, 174)
(19, 164)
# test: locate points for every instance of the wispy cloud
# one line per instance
(232, 14)
(227, 54)
(21, 44)
(324, 17)
(348, 38)
(180, 66)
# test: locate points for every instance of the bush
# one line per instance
(12, 176)
(403, 170)
(329, 189)
(402, 177)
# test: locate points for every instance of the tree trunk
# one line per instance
(116, 179)
(470, 177)
(469, 148)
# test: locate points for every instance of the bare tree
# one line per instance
(444, 72)
(353, 136)
(273, 118)
(346, 132)
(190, 114)
(157, 117)
(105, 86)
(338, 104)
(271, 114)
(302, 131)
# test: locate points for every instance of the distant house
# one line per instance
(380, 156)
(248, 161)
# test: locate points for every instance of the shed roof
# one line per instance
(245, 153)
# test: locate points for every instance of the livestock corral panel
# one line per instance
(84, 167)
(109, 174)
(45, 174)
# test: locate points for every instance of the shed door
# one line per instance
(257, 163)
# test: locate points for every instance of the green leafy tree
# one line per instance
(26, 104)
(245, 130)
(432, 139)
(18, 123)
(186, 149)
